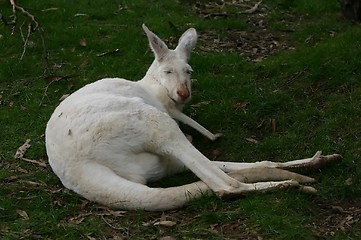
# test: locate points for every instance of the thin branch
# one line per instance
(33, 26)
(45, 93)
(112, 226)
(21, 32)
(12, 2)
(253, 9)
(26, 40)
(33, 20)
(13, 22)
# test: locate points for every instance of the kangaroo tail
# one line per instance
(100, 184)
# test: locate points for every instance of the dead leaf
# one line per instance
(260, 125)
(251, 140)
(22, 149)
(117, 213)
(273, 122)
(116, 237)
(348, 181)
(167, 238)
(23, 214)
(122, 7)
(148, 224)
(241, 105)
(213, 228)
(22, 170)
(79, 219)
(84, 63)
(108, 53)
(82, 42)
(57, 203)
(165, 223)
(84, 204)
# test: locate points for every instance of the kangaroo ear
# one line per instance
(187, 42)
(159, 48)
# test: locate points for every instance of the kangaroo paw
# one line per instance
(322, 161)
(256, 187)
(316, 162)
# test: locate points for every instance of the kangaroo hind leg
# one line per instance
(316, 162)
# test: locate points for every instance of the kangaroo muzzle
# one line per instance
(183, 92)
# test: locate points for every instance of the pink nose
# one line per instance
(183, 93)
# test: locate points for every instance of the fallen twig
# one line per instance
(54, 79)
(33, 26)
(26, 40)
(50, 9)
(40, 163)
(20, 152)
(253, 9)
(112, 226)
(12, 2)
(28, 14)
(223, 14)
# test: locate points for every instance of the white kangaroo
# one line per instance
(109, 138)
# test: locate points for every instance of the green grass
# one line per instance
(312, 90)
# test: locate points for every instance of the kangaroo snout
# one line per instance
(183, 92)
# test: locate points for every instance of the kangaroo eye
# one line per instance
(189, 72)
(168, 71)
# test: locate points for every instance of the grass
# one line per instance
(311, 89)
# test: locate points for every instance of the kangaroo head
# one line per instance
(170, 67)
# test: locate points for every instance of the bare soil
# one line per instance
(256, 42)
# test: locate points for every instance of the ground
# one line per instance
(280, 80)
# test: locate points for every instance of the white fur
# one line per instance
(109, 138)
